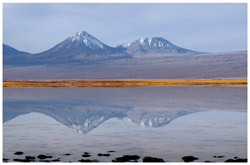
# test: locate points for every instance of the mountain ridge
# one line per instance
(82, 48)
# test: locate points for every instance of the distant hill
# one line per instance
(12, 56)
(8, 51)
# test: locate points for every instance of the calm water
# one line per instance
(163, 122)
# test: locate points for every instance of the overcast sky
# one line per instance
(200, 27)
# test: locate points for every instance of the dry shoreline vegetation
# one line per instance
(126, 83)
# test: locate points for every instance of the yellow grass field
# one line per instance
(126, 83)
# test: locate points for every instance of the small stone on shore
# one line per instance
(5, 160)
(111, 151)
(88, 160)
(126, 158)
(220, 156)
(100, 154)
(86, 156)
(189, 158)
(22, 160)
(18, 153)
(236, 160)
(56, 160)
(30, 157)
(44, 157)
(152, 159)
(46, 161)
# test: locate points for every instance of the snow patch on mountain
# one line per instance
(126, 45)
(87, 39)
(156, 42)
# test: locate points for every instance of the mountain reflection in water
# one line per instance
(84, 109)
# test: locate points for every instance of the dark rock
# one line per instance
(152, 159)
(189, 158)
(45, 161)
(5, 160)
(229, 160)
(44, 157)
(86, 156)
(18, 153)
(100, 154)
(220, 156)
(88, 160)
(236, 160)
(67, 154)
(207, 161)
(126, 158)
(56, 160)
(235, 157)
(132, 157)
(30, 157)
(22, 160)
(111, 151)
(85, 160)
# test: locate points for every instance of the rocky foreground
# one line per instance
(85, 157)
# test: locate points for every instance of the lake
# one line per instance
(207, 122)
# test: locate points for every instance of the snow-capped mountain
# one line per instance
(79, 48)
(153, 45)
